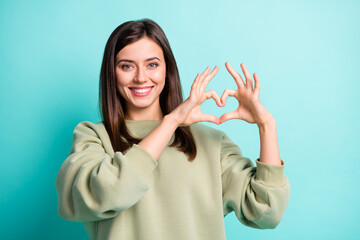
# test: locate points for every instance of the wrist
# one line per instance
(268, 124)
(171, 120)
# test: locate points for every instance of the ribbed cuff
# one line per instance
(270, 175)
(141, 160)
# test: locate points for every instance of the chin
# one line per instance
(142, 104)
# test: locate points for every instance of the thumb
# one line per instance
(209, 118)
(227, 116)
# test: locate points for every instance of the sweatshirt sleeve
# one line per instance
(92, 185)
(258, 195)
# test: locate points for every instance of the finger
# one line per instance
(196, 81)
(239, 81)
(226, 93)
(209, 118)
(201, 78)
(209, 77)
(249, 81)
(228, 116)
(204, 74)
(212, 94)
(257, 85)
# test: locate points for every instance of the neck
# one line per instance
(149, 113)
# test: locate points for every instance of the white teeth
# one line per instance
(143, 90)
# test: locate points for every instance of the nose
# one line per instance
(140, 76)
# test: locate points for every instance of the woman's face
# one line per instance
(140, 74)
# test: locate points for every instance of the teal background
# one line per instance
(306, 54)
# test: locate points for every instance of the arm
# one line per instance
(92, 185)
(258, 196)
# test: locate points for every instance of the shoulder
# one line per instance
(90, 128)
(204, 131)
(99, 126)
(87, 131)
(212, 136)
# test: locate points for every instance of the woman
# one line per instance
(149, 170)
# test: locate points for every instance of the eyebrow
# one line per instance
(146, 60)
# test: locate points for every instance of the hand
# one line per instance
(250, 108)
(189, 111)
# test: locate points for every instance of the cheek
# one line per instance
(122, 79)
(121, 83)
(159, 77)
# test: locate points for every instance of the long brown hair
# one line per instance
(112, 104)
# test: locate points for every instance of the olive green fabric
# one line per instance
(132, 196)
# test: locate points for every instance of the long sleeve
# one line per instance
(92, 184)
(258, 195)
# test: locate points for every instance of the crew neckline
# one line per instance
(142, 122)
(141, 128)
(128, 120)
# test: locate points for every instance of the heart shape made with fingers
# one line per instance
(248, 108)
(207, 107)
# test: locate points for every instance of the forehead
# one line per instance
(142, 49)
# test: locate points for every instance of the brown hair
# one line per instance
(111, 103)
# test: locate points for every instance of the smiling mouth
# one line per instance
(141, 92)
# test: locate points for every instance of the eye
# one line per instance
(153, 65)
(125, 66)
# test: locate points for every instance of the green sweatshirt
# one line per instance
(131, 196)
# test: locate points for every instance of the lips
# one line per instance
(141, 91)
